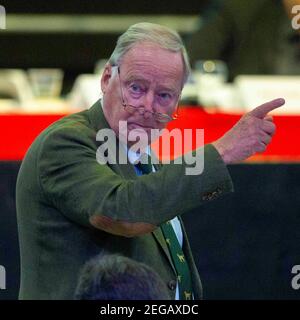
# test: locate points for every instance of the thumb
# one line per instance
(262, 110)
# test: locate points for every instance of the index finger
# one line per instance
(262, 110)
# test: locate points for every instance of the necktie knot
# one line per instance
(144, 168)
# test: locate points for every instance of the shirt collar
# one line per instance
(135, 157)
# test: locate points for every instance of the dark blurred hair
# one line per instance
(115, 277)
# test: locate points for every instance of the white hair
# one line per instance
(162, 36)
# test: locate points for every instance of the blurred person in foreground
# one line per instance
(115, 277)
(71, 205)
(252, 37)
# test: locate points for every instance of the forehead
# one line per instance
(153, 63)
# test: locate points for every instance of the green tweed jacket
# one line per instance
(61, 185)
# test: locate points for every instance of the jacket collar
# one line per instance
(96, 116)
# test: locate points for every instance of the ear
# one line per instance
(106, 76)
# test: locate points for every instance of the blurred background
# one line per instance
(78, 36)
(243, 53)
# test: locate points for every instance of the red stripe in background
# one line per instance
(285, 145)
(18, 131)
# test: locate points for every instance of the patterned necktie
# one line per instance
(181, 266)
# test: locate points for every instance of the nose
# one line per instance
(148, 103)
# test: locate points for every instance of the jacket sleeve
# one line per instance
(74, 182)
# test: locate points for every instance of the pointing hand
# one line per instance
(251, 134)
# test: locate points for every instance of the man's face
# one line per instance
(150, 77)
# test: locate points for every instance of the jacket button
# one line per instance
(172, 284)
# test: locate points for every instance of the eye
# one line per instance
(165, 96)
(135, 88)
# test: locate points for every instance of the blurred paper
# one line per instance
(14, 84)
(255, 90)
(85, 92)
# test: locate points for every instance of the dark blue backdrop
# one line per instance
(245, 244)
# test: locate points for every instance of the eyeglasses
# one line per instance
(160, 117)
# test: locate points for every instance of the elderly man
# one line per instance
(70, 207)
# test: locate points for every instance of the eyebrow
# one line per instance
(139, 78)
(171, 89)
(136, 78)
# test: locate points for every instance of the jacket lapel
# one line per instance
(159, 237)
(196, 281)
